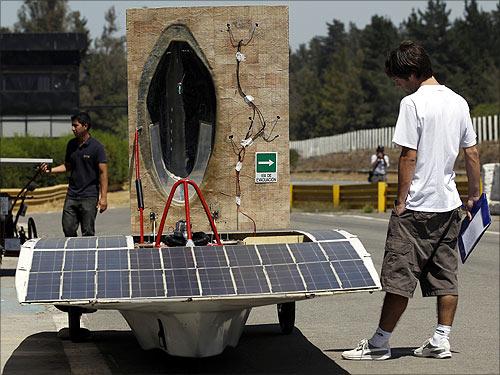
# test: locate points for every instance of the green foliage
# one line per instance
(103, 87)
(367, 208)
(338, 81)
(55, 148)
(486, 109)
(117, 153)
(48, 16)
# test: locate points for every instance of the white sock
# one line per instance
(442, 332)
(380, 338)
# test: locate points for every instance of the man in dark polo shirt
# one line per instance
(88, 181)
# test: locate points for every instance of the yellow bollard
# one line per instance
(336, 195)
(382, 188)
(291, 195)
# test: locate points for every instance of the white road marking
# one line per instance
(367, 218)
(342, 215)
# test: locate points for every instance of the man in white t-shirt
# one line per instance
(433, 125)
(379, 163)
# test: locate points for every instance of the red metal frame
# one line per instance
(138, 179)
(185, 182)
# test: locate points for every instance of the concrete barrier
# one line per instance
(491, 182)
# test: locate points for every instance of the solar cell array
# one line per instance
(92, 268)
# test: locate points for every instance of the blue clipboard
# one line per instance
(472, 230)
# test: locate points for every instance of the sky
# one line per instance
(307, 18)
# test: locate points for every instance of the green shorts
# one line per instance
(421, 246)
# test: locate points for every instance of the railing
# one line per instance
(53, 194)
(486, 128)
(379, 196)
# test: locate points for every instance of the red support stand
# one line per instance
(138, 187)
(185, 182)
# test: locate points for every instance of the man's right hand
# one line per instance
(44, 167)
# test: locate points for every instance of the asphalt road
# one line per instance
(324, 326)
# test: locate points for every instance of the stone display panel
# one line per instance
(183, 94)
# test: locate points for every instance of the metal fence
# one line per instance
(486, 128)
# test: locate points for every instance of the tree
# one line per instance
(103, 86)
(430, 28)
(49, 16)
(476, 60)
(382, 97)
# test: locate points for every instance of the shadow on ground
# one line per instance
(262, 350)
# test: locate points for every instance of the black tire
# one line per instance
(286, 317)
(32, 233)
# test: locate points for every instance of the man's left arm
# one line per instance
(473, 169)
(103, 187)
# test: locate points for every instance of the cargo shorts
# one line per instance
(421, 247)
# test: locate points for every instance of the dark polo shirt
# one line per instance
(84, 161)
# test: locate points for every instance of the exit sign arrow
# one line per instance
(268, 163)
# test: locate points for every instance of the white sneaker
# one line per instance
(428, 350)
(365, 351)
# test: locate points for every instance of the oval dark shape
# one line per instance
(181, 98)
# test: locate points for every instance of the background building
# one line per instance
(39, 82)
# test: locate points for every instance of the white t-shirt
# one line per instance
(436, 122)
(381, 168)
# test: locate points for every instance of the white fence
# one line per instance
(486, 128)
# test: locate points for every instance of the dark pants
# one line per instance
(79, 212)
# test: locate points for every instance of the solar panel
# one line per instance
(216, 281)
(182, 283)
(242, 255)
(250, 280)
(325, 235)
(319, 276)
(107, 242)
(50, 243)
(145, 259)
(353, 274)
(81, 243)
(78, 285)
(147, 283)
(112, 259)
(47, 261)
(307, 252)
(79, 260)
(113, 284)
(284, 278)
(72, 270)
(210, 256)
(44, 286)
(342, 250)
(274, 254)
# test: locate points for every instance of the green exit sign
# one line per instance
(266, 167)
